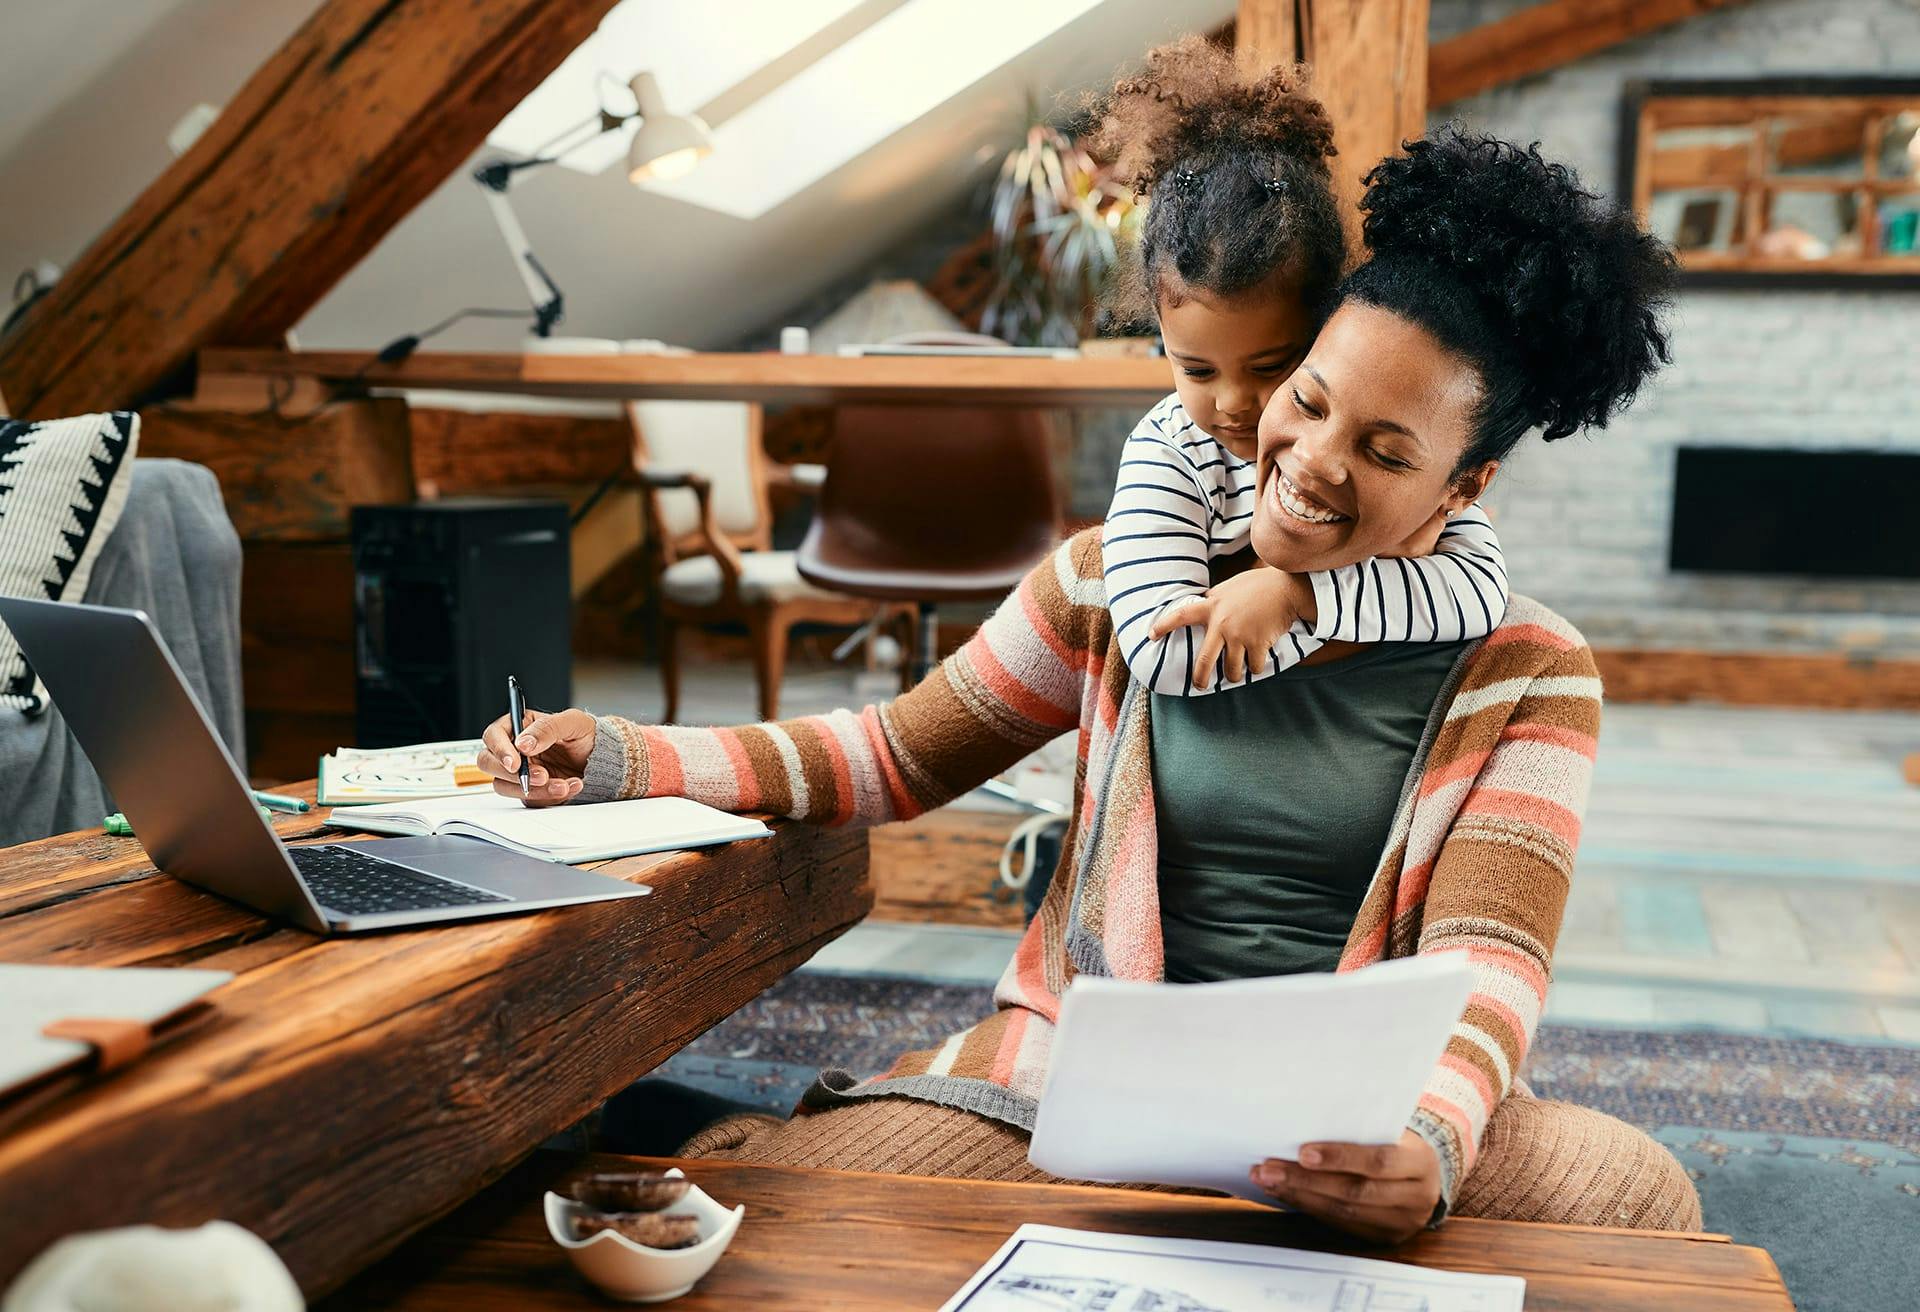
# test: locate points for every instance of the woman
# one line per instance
(1499, 297)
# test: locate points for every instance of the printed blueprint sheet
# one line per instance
(1047, 1269)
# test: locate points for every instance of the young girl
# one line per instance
(1238, 260)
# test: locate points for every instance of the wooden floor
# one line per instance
(1742, 869)
(944, 868)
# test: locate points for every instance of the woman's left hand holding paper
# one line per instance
(1382, 1192)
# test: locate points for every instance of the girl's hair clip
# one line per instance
(1275, 186)
(1185, 179)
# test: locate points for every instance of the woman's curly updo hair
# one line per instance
(1234, 172)
(1553, 294)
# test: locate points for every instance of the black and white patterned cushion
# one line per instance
(62, 485)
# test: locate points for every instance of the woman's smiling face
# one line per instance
(1360, 449)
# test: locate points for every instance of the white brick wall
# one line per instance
(1585, 520)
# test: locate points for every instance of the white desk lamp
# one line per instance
(666, 145)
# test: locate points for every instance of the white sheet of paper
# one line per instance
(1044, 1266)
(1192, 1084)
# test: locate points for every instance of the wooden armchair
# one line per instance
(708, 525)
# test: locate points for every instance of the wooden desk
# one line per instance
(353, 1089)
(770, 379)
(860, 1243)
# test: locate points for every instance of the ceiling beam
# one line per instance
(1544, 37)
(1369, 61)
(364, 111)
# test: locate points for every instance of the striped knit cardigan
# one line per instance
(1478, 859)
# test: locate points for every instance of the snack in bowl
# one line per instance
(628, 1251)
(630, 1191)
(654, 1229)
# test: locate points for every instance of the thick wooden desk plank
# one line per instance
(770, 379)
(860, 1243)
(353, 1089)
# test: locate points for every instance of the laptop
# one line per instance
(122, 695)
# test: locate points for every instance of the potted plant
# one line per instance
(1058, 217)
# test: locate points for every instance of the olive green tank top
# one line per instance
(1274, 802)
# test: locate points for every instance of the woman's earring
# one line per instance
(1450, 512)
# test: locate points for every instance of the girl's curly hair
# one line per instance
(1234, 171)
(1555, 295)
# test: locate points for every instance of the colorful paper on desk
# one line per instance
(1191, 1084)
(567, 834)
(354, 776)
(1044, 1266)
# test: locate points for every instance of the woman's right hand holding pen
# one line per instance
(556, 746)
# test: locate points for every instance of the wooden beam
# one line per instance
(349, 1090)
(1545, 36)
(292, 479)
(457, 452)
(1265, 34)
(1369, 61)
(363, 112)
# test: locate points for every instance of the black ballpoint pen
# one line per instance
(517, 712)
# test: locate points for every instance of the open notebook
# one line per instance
(567, 834)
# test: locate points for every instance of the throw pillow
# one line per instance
(63, 483)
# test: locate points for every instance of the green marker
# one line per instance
(117, 827)
(280, 802)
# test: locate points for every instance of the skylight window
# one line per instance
(906, 64)
(695, 57)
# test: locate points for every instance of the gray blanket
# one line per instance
(175, 556)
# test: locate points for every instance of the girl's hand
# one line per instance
(1244, 615)
(1383, 1193)
(557, 747)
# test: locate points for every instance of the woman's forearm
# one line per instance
(985, 708)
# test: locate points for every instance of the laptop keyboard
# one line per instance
(343, 880)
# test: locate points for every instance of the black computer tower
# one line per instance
(450, 597)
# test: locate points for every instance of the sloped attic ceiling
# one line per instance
(843, 126)
(637, 263)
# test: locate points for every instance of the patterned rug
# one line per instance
(1807, 1148)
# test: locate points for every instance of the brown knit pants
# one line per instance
(1539, 1160)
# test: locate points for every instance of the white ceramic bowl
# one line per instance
(634, 1273)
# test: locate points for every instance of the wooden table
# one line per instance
(865, 1242)
(353, 1089)
(1133, 383)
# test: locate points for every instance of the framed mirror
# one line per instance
(1795, 181)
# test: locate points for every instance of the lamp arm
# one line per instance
(495, 176)
(546, 297)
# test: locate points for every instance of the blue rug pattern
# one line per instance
(1806, 1147)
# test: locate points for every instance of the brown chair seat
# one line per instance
(933, 503)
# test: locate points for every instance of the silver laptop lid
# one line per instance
(117, 687)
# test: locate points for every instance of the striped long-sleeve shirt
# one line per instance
(1477, 861)
(1183, 499)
